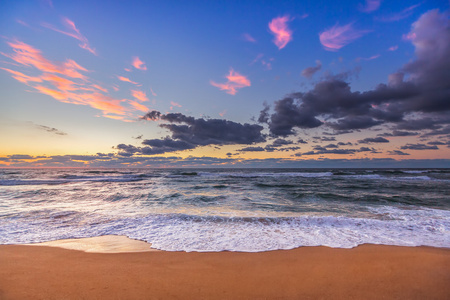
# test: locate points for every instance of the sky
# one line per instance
(225, 83)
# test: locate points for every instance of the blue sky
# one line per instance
(233, 81)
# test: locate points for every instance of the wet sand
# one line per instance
(365, 272)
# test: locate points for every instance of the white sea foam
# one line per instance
(394, 226)
(400, 227)
(266, 210)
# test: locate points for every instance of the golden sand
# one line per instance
(365, 272)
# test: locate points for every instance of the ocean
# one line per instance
(248, 210)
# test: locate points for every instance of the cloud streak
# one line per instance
(235, 81)
(337, 36)
(121, 78)
(139, 64)
(74, 33)
(68, 82)
(139, 95)
(370, 6)
(282, 34)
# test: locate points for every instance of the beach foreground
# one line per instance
(364, 272)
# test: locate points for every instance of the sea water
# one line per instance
(247, 210)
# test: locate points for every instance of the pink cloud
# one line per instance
(22, 77)
(140, 95)
(27, 55)
(66, 83)
(337, 37)
(138, 64)
(153, 93)
(370, 6)
(368, 58)
(281, 31)
(104, 103)
(235, 81)
(58, 95)
(74, 32)
(409, 37)
(222, 113)
(138, 106)
(126, 79)
(61, 83)
(400, 15)
(174, 104)
(393, 48)
(100, 88)
(247, 37)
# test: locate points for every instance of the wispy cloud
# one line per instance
(23, 23)
(100, 88)
(283, 35)
(126, 79)
(370, 6)
(393, 48)
(140, 95)
(139, 106)
(368, 58)
(73, 32)
(139, 64)
(48, 129)
(247, 37)
(265, 62)
(22, 77)
(174, 104)
(68, 82)
(400, 15)
(310, 71)
(337, 36)
(235, 81)
(25, 54)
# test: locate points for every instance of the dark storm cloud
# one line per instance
(251, 149)
(166, 145)
(419, 147)
(288, 114)
(442, 131)
(399, 133)
(397, 152)
(334, 146)
(280, 142)
(201, 132)
(355, 122)
(421, 86)
(419, 124)
(322, 150)
(310, 71)
(373, 140)
(20, 156)
(189, 132)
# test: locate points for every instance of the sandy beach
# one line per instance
(364, 272)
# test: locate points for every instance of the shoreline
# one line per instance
(364, 272)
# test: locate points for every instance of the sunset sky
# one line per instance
(225, 83)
